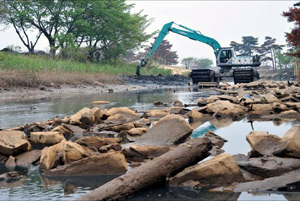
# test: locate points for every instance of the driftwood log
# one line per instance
(156, 170)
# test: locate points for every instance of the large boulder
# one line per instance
(51, 156)
(172, 129)
(95, 142)
(111, 163)
(13, 142)
(220, 170)
(84, 118)
(74, 152)
(265, 143)
(292, 137)
(225, 108)
(47, 138)
(269, 166)
(25, 160)
(139, 153)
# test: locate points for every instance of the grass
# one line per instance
(33, 71)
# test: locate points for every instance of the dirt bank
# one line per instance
(15, 93)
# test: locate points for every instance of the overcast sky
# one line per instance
(224, 21)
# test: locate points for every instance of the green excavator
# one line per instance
(238, 67)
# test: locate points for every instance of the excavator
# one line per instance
(240, 68)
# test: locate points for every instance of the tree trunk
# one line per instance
(154, 171)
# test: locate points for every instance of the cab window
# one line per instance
(225, 55)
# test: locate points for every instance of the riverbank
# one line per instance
(121, 84)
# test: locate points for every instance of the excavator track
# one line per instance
(202, 75)
(245, 75)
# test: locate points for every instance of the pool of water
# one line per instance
(35, 187)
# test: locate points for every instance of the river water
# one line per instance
(35, 187)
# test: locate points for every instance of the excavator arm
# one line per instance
(184, 31)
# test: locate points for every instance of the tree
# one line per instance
(163, 54)
(293, 15)
(193, 63)
(266, 50)
(283, 59)
(247, 47)
(108, 26)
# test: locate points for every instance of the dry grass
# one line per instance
(17, 78)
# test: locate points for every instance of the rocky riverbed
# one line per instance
(151, 147)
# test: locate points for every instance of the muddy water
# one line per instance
(35, 187)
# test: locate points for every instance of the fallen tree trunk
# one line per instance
(153, 171)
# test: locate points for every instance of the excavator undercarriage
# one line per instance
(239, 75)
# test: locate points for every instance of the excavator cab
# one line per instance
(225, 55)
(224, 58)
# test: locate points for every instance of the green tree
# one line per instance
(283, 59)
(247, 47)
(108, 26)
(193, 63)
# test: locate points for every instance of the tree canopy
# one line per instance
(108, 26)
(247, 47)
(293, 15)
(193, 63)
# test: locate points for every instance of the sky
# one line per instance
(224, 21)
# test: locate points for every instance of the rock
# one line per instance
(139, 153)
(225, 108)
(64, 130)
(289, 114)
(111, 163)
(13, 142)
(137, 131)
(123, 111)
(269, 98)
(176, 110)
(51, 156)
(231, 99)
(159, 104)
(261, 109)
(100, 102)
(114, 127)
(215, 139)
(178, 103)
(97, 142)
(84, 118)
(265, 143)
(165, 133)
(194, 115)
(74, 152)
(46, 138)
(110, 147)
(272, 183)
(156, 113)
(292, 136)
(279, 107)
(97, 113)
(221, 122)
(74, 129)
(10, 163)
(120, 119)
(106, 134)
(225, 171)
(3, 158)
(10, 177)
(24, 160)
(269, 166)
(36, 127)
(202, 102)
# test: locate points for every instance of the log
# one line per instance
(154, 171)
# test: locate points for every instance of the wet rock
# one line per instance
(278, 107)
(225, 171)
(74, 152)
(292, 137)
(3, 158)
(265, 143)
(64, 130)
(213, 99)
(156, 113)
(51, 156)
(290, 114)
(98, 114)
(225, 108)
(215, 139)
(177, 110)
(111, 163)
(269, 166)
(202, 102)
(139, 153)
(108, 134)
(100, 102)
(74, 129)
(10, 177)
(272, 183)
(85, 118)
(110, 147)
(137, 131)
(114, 127)
(13, 142)
(94, 142)
(122, 111)
(178, 104)
(25, 160)
(221, 122)
(35, 127)
(261, 109)
(165, 133)
(46, 138)
(10, 163)
(120, 119)
(159, 104)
